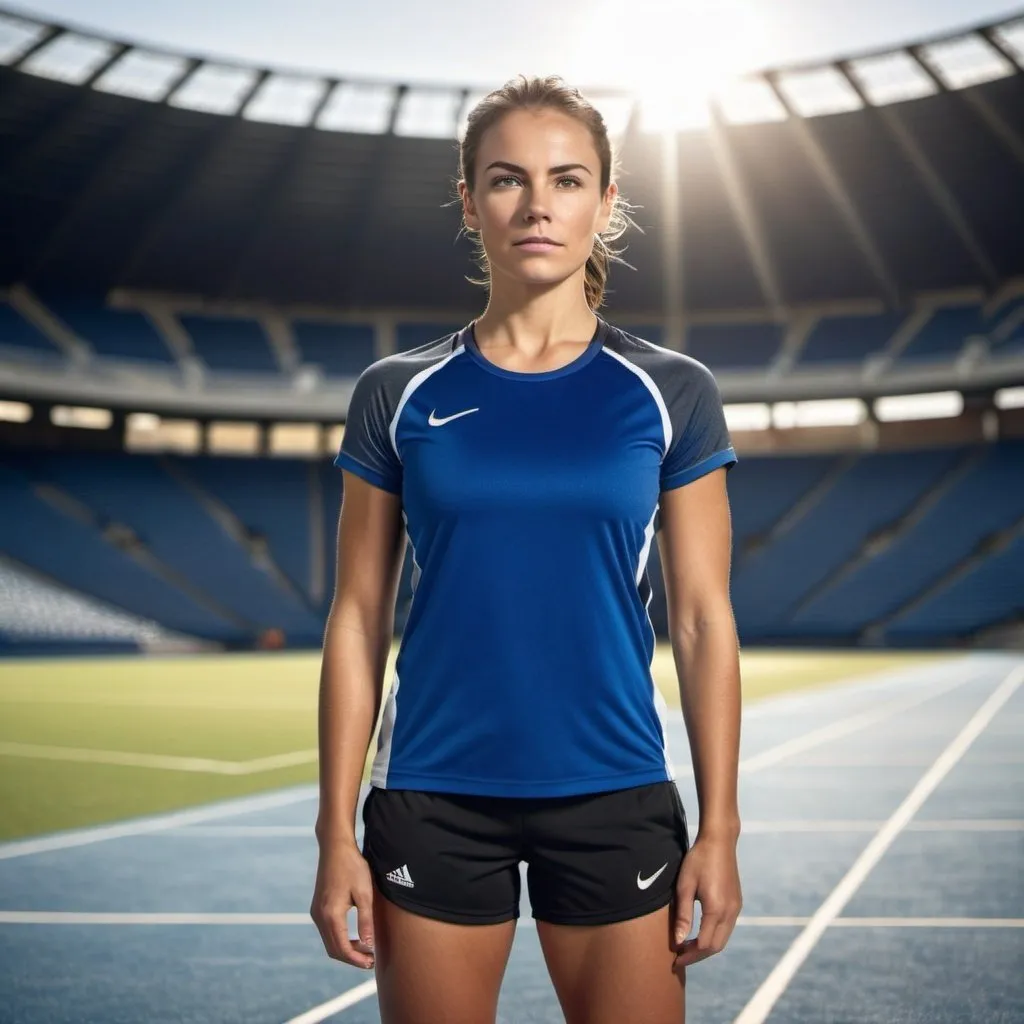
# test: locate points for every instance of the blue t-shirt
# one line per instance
(529, 501)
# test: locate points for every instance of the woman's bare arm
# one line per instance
(695, 542)
(357, 642)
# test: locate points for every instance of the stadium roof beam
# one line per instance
(50, 33)
(272, 195)
(991, 36)
(142, 122)
(840, 197)
(915, 53)
(182, 180)
(745, 211)
(353, 276)
(978, 104)
(57, 122)
(996, 123)
(935, 186)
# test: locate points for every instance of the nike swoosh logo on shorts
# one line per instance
(435, 422)
(644, 883)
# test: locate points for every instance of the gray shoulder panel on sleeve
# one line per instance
(391, 375)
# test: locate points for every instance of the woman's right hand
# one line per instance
(343, 881)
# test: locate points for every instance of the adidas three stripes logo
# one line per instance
(401, 876)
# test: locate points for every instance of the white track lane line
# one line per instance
(164, 762)
(757, 828)
(841, 727)
(764, 999)
(148, 917)
(845, 726)
(145, 826)
(336, 1005)
(243, 831)
(928, 922)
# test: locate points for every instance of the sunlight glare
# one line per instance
(675, 54)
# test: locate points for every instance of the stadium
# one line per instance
(198, 260)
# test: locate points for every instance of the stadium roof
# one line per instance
(880, 176)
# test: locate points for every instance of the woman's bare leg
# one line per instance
(433, 972)
(615, 973)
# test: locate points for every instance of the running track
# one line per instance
(881, 861)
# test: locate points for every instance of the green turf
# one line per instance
(226, 708)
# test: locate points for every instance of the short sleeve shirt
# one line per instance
(529, 501)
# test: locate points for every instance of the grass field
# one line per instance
(94, 740)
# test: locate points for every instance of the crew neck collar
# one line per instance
(467, 338)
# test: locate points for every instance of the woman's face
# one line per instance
(537, 174)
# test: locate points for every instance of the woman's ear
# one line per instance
(607, 208)
(468, 207)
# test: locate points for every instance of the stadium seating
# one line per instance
(943, 336)
(918, 545)
(36, 612)
(340, 350)
(17, 333)
(67, 549)
(991, 591)
(989, 497)
(762, 490)
(734, 346)
(120, 334)
(181, 531)
(230, 343)
(848, 339)
(233, 344)
(872, 493)
(271, 498)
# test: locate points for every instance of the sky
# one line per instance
(620, 43)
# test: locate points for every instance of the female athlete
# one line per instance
(525, 458)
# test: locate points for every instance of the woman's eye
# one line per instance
(575, 182)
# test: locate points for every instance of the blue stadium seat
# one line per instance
(230, 343)
(74, 553)
(848, 339)
(270, 497)
(987, 498)
(762, 489)
(1005, 329)
(991, 592)
(175, 526)
(17, 332)
(734, 346)
(943, 336)
(123, 334)
(342, 350)
(876, 491)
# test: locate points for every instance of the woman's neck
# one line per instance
(532, 324)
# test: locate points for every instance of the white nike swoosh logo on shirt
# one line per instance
(644, 883)
(435, 422)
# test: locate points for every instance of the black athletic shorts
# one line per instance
(591, 859)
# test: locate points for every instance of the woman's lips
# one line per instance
(537, 246)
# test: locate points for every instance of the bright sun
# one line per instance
(674, 54)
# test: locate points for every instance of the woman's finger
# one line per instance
(686, 893)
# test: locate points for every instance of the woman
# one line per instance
(526, 457)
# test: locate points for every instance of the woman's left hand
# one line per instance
(709, 874)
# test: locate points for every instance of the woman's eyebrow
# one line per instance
(560, 169)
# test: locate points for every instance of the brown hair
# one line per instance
(550, 93)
